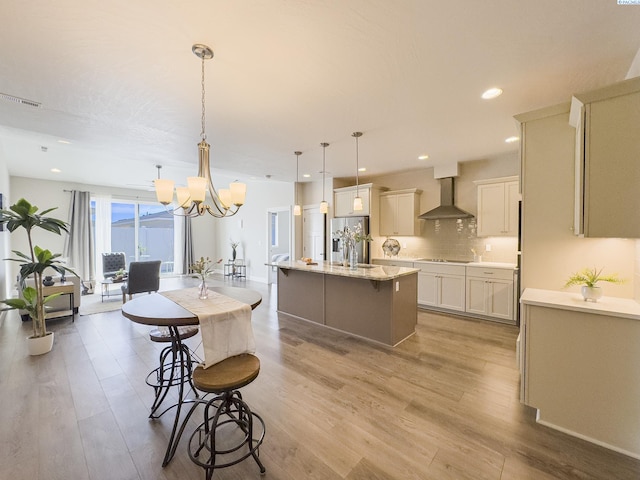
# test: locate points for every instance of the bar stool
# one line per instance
(229, 433)
(175, 365)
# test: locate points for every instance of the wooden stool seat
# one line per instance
(230, 374)
(163, 336)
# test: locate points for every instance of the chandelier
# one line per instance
(192, 198)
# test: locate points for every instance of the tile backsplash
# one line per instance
(453, 240)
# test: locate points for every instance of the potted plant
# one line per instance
(33, 264)
(589, 278)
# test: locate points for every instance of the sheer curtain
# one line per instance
(103, 230)
(78, 245)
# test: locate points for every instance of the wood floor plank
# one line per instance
(442, 405)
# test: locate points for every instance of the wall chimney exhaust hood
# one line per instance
(446, 209)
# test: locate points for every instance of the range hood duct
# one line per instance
(446, 209)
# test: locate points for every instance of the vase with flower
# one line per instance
(202, 269)
(349, 238)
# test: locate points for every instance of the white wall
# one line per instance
(5, 276)
(250, 225)
(550, 250)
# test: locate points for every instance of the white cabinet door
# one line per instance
(500, 299)
(491, 297)
(427, 289)
(399, 212)
(388, 209)
(498, 208)
(607, 170)
(451, 292)
(343, 201)
(511, 214)
(490, 209)
(405, 214)
(476, 296)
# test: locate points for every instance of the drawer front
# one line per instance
(498, 273)
(392, 263)
(442, 268)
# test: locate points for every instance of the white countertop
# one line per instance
(369, 272)
(508, 266)
(612, 306)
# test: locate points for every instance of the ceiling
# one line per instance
(118, 81)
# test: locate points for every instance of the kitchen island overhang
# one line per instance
(379, 303)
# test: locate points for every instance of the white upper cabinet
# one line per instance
(343, 200)
(498, 207)
(607, 161)
(399, 212)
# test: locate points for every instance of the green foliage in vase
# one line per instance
(590, 277)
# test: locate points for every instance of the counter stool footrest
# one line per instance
(221, 412)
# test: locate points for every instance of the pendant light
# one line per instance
(191, 199)
(357, 201)
(324, 206)
(297, 211)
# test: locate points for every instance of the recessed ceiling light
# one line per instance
(511, 139)
(56, 170)
(492, 93)
(306, 175)
(362, 169)
(66, 142)
(423, 157)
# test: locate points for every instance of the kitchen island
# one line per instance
(378, 303)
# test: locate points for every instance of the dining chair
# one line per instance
(143, 277)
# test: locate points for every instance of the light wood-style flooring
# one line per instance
(442, 405)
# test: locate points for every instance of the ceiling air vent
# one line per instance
(22, 101)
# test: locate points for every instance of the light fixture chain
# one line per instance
(202, 134)
(357, 166)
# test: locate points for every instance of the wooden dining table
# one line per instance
(157, 310)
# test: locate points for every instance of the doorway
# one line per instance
(313, 234)
(278, 239)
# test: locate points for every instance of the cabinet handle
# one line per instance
(488, 273)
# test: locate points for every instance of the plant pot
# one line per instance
(591, 294)
(40, 345)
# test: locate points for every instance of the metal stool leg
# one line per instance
(232, 410)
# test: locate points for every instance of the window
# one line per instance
(143, 231)
(274, 229)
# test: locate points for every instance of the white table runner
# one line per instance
(225, 323)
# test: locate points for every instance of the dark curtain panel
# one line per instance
(78, 247)
(187, 253)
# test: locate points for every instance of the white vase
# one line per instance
(40, 345)
(591, 294)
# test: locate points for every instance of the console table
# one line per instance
(235, 270)
(63, 289)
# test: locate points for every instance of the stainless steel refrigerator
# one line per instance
(338, 224)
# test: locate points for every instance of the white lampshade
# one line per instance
(183, 197)
(197, 188)
(297, 210)
(238, 193)
(164, 190)
(357, 204)
(225, 195)
(324, 207)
